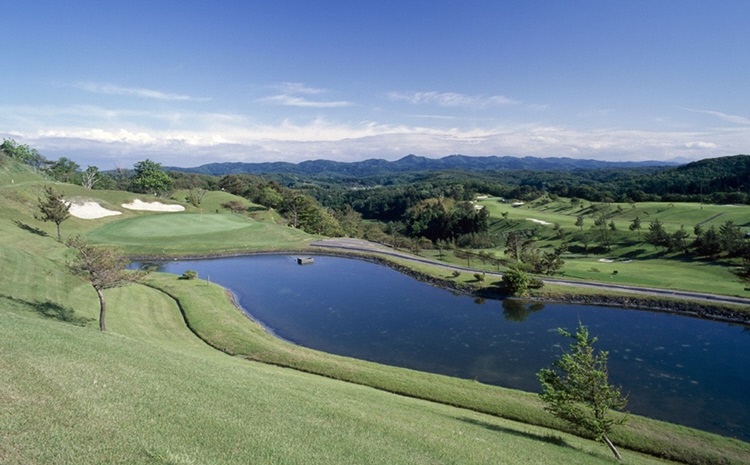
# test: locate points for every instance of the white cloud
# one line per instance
(114, 89)
(293, 94)
(297, 88)
(735, 119)
(296, 101)
(451, 99)
(234, 138)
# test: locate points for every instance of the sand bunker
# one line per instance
(138, 204)
(90, 210)
(546, 223)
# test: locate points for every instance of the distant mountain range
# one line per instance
(413, 163)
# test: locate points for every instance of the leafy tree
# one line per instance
(576, 389)
(636, 225)
(23, 153)
(604, 233)
(579, 222)
(270, 197)
(63, 170)
(103, 267)
(517, 245)
(350, 221)
(150, 178)
(53, 208)
(195, 196)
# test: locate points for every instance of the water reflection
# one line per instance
(519, 310)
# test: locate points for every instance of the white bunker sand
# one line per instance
(90, 210)
(138, 204)
(546, 223)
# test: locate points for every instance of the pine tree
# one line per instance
(53, 208)
(577, 389)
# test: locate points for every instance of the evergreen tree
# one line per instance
(636, 225)
(53, 208)
(576, 388)
(656, 235)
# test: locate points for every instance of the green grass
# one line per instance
(74, 396)
(197, 233)
(149, 391)
(636, 262)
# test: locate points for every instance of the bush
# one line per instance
(517, 282)
(189, 274)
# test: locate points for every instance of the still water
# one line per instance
(675, 368)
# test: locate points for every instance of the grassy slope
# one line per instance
(170, 399)
(649, 266)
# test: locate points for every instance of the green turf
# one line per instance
(197, 233)
(149, 391)
(636, 262)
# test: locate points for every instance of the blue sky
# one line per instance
(191, 82)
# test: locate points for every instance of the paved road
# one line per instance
(359, 245)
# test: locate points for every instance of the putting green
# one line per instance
(212, 233)
(172, 224)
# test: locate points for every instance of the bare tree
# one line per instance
(90, 177)
(103, 267)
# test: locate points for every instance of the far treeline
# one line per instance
(408, 204)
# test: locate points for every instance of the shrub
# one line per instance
(189, 274)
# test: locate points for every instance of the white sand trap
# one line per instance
(546, 223)
(606, 260)
(90, 210)
(138, 204)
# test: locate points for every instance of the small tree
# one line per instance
(577, 389)
(636, 225)
(195, 196)
(53, 208)
(103, 267)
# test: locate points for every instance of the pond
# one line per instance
(675, 368)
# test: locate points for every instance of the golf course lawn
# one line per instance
(152, 391)
(197, 233)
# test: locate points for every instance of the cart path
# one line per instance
(360, 245)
